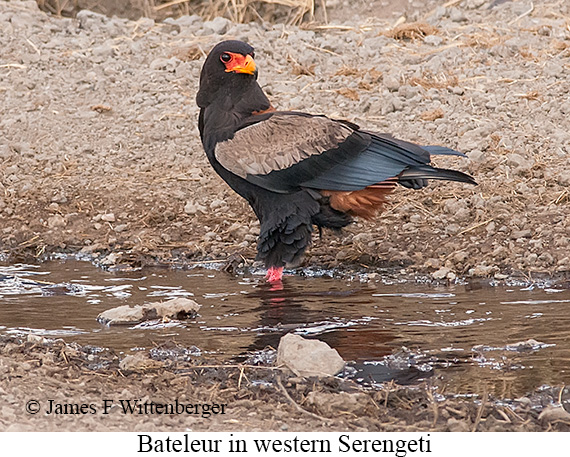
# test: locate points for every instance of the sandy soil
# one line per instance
(100, 157)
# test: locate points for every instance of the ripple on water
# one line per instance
(386, 329)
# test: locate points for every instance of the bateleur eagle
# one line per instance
(295, 169)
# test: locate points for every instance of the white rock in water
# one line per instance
(441, 273)
(121, 315)
(177, 308)
(308, 357)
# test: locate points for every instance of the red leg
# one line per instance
(274, 274)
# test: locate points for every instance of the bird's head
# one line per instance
(229, 64)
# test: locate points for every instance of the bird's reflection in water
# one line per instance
(290, 305)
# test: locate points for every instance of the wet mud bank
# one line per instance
(256, 397)
(418, 356)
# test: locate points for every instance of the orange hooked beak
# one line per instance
(241, 64)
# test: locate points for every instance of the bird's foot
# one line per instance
(274, 274)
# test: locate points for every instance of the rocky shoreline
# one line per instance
(101, 155)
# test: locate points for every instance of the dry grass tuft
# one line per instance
(411, 31)
(243, 11)
(349, 93)
(483, 40)
(429, 80)
(496, 145)
(289, 11)
(532, 95)
(367, 80)
(299, 68)
(345, 70)
(562, 47)
(432, 115)
(369, 77)
(188, 54)
(101, 108)
(528, 54)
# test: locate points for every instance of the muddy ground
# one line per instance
(100, 157)
(256, 398)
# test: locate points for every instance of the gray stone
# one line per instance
(218, 25)
(363, 237)
(391, 81)
(23, 20)
(408, 92)
(194, 208)
(462, 215)
(121, 315)
(453, 205)
(474, 4)
(109, 217)
(162, 63)
(441, 273)
(452, 229)
(521, 234)
(387, 107)
(105, 50)
(56, 221)
(177, 308)
(457, 90)
(308, 357)
(520, 164)
(546, 257)
(139, 362)
(564, 178)
(457, 15)
(433, 40)
(554, 413)
(439, 13)
(554, 69)
(90, 20)
(185, 21)
(483, 270)
(454, 425)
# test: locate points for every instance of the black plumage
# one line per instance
(298, 170)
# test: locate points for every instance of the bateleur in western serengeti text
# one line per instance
(298, 170)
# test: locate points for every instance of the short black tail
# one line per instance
(416, 176)
(442, 151)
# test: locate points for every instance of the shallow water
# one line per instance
(466, 335)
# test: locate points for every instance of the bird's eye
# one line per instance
(225, 57)
(252, 54)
